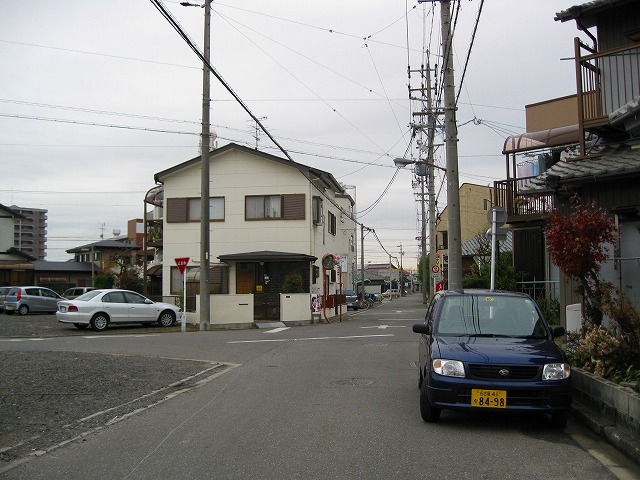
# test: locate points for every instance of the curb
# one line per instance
(618, 437)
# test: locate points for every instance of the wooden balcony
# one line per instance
(520, 207)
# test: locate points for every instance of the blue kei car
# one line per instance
(487, 350)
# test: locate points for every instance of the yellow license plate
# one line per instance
(488, 398)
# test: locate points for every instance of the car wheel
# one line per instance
(421, 379)
(559, 419)
(23, 310)
(429, 412)
(99, 322)
(166, 318)
(81, 326)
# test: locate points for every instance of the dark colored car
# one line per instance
(487, 350)
(350, 299)
(30, 300)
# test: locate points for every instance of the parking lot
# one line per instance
(47, 396)
(44, 325)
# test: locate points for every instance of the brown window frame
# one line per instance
(292, 207)
(178, 210)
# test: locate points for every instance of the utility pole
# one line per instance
(205, 294)
(401, 276)
(451, 140)
(362, 259)
(433, 246)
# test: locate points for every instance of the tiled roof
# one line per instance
(612, 161)
(478, 243)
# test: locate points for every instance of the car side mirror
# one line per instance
(422, 328)
(148, 302)
(557, 331)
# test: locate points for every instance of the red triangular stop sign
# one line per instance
(182, 264)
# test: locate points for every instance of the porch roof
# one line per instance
(267, 256)
(553, 137)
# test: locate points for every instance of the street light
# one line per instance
(403, 162)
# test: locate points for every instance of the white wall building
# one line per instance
(269, 217)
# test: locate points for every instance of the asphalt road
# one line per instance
(323, 401)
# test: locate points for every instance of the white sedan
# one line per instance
(99, 308)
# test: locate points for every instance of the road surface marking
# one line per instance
(312, 338)
(384, 327)
(276, 330)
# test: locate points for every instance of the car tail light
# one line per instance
(19, 296)
(72, 308)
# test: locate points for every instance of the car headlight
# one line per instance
(556, 371)
(448, 368)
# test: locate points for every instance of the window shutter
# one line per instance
(176, 210)
(294, 206)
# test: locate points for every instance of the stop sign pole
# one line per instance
(497, 216)
(182, 266)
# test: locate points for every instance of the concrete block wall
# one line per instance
(619, 405)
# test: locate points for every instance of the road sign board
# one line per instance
(435, 269)
(182, 264)
(501, 216)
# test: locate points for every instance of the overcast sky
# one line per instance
(98, 96)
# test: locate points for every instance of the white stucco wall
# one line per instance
(234, 175)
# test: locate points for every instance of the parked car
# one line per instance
(74, 292)
(350, 299)
(99, 308)
(3, 294)
(30, 300)
(486, 350)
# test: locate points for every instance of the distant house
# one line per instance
(62, 275)
(15, 265)
(105, 253)
(269, 218)
(475, 202)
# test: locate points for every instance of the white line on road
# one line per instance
(384, 327)
(276, 330)
(312, 338)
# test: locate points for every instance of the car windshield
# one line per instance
(490, 315)
(88, 296)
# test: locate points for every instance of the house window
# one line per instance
(445, 240)
(218, 280)
(181, 210)
(332, 224)
(316, 208)
(316, 274)
(275, 207)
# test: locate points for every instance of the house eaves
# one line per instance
(104, 245)
(313, 174)
(267, 256)
(587, 13)
(10, 213)
(606, 163)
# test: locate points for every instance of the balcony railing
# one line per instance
(606, 81)
(508, 196)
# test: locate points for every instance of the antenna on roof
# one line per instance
(101, 228)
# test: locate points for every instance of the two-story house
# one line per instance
(584, 145)
(269, 218)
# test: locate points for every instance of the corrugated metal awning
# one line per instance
(554, 137)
